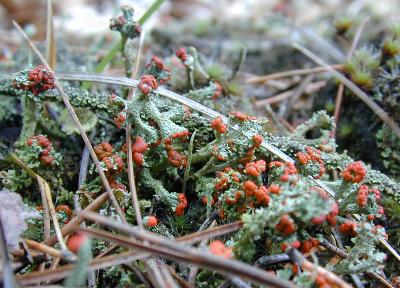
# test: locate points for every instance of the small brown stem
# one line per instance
(339, 95)
(50, 250)
(291, 73)
(336, 250)
(45, 189)
(332, 278)
(131, 174)
(178, 252)
(95, 205)
(355, 89)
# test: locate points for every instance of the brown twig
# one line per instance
(178, 252)
(332, 278)
(193, 270)
(291, 73)
(169, 281)
(311, 88)
(45, 188)
(78, 124)
(336, 250)
(131, 174)
(354, 88)
(139, 273)
(179, 279)
(188, 239)
(46, 214)
(64, 271)
(339, 95)
(50, 250)
(298, 91)
(144, 235)
(51, 53)
(95, 205)
(272, 259)
(211, 232)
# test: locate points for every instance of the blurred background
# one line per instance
(223, 31)
(87, 18)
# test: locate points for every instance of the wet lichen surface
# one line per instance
(191, 177)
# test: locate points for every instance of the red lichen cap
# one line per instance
(354, 172)
(218, 248)
(147, 84)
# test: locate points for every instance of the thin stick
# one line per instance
(193, 270)
(139, 274)
(336, 250)
(151, 265)
(299, 259)
(154, 270)
(64, 271)
(189, 162)
(168, 279)
(179, 279)
(339, 95)
(50, 37)
(357, 91)
(68, 228)
(78, 125)
(178, 252)
(46, 222)
(338, 104)
(43, 248)
(291, 73)
(45, 189)
(272, 259)
(131, 174)
(153, 239)
(311, 88)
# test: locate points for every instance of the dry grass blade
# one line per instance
(32, 244)
(357, 91)
(183, 100)
(332, 278)
(131, 174)
(297, 72)
(211, 232)
(178, 252)
(45, 188)
(145, 235)
(64, 271)
(51, 49)
(353, 47)
(78, 125)
(343, 254)
(68, 228)
(169, 94)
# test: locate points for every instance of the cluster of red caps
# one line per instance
(159, 64)
(138, 148)
(304, 247)
(44, 143)
(218, 125)
(40, 79)
(113, 162)
(312, 155)
(147, 84)
(354, 172)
